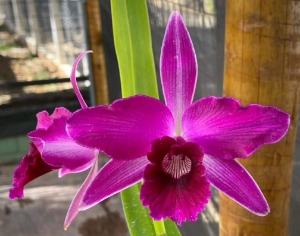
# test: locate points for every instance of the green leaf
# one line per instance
(132, 38)
(133, 46)
(171, 228)
(137, 216)
(122, 41)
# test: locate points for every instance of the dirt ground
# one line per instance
(45, 205)
(22, 63)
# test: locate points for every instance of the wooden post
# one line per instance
(262, 61)
(96, 44)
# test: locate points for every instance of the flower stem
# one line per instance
(159, 227)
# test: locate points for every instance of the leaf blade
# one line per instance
(133, 46)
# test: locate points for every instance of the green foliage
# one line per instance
(7, 46)
(209, 6)
(137, 216)
(171, 228)
(133, 45)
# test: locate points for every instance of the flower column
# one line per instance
(262, 63)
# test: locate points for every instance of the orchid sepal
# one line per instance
(112, 178)
(178, 68)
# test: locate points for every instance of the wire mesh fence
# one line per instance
(197, 13)
(53, 28)
(39, 40)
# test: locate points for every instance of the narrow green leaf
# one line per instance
(122, 41)
(171, 228)
(137, 216)
(132, 60)
(143, 61)
(133, 46)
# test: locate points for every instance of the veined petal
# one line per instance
(44, 120)
(59, 150)
(112, 178)
(178, 67)
(226, 129)
(74, 207)
(233, 179)
(125, 129)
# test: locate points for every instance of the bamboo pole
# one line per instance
(96, 44)
(262, 61)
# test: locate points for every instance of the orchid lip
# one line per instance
(175, 185)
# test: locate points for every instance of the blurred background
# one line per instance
(39, 40)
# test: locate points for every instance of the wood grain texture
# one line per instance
(96, 45)
(262, 65)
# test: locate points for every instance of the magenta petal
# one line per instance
(64, 170)
(226, 129)
(30, 167)
(233, 179)
(178, 67)
(58, 149)
(125, 129)
(74, 207)
(179, 199)
(112, 178)
(44, 120)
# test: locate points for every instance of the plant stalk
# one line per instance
(159, 227)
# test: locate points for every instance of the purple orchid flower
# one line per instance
(52, 149)
(179, 149)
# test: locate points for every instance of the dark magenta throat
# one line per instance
(175, 156)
